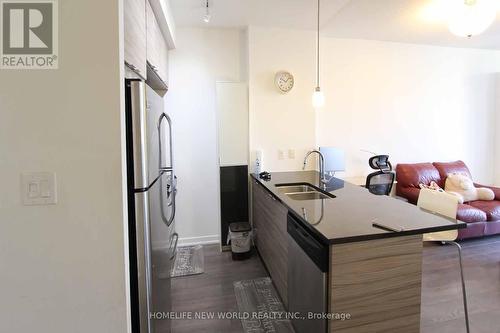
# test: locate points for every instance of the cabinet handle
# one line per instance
(271, 196)
(154, 68)
(133, 68)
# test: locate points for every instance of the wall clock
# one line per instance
(284, 81)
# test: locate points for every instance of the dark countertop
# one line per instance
(349, 216)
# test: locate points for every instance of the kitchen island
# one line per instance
(370, 273)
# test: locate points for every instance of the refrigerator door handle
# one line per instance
(174, 250)
(165, 117)
(171, 186)
(171, 192)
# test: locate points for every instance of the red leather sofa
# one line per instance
(482, 217)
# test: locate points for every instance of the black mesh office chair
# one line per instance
(381, 181)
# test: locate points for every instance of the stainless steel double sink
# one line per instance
(303, 191)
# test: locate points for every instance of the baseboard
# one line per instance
(202, 240)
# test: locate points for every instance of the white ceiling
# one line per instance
(407, 21)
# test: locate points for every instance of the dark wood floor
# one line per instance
(213, 291)
(442, 307)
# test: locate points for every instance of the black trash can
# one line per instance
(240, 235)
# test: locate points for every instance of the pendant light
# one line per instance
(472, 17)
(207, 16)
(318, 99)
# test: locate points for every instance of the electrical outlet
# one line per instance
(281, 155)
(39, 188)
(291, 154)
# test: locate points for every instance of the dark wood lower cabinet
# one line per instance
(376, 282)
(269, 223)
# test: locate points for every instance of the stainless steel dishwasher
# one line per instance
(307, 278)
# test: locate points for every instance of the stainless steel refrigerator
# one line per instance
(151, 201)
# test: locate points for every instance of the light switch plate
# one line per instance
(38, 188)
(281, 154)
(291, 154)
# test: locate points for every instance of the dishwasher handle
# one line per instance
(315, 250)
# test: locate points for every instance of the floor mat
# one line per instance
(188, 261)
(260, 308)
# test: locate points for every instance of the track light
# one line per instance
(207, 16)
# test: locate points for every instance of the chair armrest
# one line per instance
(409, 193)
(495, 190)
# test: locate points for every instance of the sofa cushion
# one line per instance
(470, 214)
(412, 175)
(409, 193)
(491, 208)
(492, 228)
(445, 168)
(473, 230)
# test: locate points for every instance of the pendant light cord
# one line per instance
(317, 55)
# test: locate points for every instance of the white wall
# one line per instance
(278, 121)
(62, 266)
(201, 57)
(417, 103)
